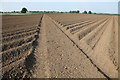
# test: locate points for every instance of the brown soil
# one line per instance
(60, 46)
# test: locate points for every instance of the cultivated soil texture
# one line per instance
(60, 45)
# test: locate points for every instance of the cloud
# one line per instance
(59, 0)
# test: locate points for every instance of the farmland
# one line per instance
(60, 45)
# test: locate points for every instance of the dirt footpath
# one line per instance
(57, 57)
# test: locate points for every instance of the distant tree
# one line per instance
(70, 11)
(74, 11)
(24, 10)
(85, 12)
(77, 11)
(1, 12)
(89, 12)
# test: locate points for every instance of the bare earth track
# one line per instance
(60, 46)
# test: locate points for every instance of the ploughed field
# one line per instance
(60, 46)
(18, 39)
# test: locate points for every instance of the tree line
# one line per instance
(24, 10)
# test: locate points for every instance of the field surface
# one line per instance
(60, 46)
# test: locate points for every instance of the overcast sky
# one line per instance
(98, 6)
